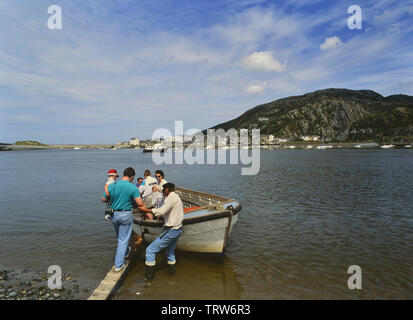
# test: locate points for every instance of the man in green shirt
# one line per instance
(122, 195)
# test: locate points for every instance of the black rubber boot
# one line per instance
(171, 269)
(149, 273)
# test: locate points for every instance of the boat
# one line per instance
(77, 148)
(387, 146)
(155, 148)
(367, 145)
(207, 225)
(408, 146)
(323, 147)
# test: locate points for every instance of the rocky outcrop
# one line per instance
(337, 114)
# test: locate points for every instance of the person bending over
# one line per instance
(173, 212)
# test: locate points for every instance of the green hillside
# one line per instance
(336, 114)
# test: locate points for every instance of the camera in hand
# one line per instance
(109, 212)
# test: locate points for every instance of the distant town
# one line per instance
(178, 142)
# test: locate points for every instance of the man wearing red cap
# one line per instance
(112, 175)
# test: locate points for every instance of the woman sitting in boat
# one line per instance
(157, 189)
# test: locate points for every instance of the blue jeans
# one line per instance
(168, 241)
(122, 222)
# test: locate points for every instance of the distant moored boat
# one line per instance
(154, 148)
(323, 147)
(367, 145)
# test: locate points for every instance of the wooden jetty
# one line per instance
(109, 284)
(112, 280)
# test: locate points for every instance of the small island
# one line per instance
(29, 143)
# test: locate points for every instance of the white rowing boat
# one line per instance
(207, 225)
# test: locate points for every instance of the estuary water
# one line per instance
(307, 216)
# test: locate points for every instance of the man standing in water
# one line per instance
(173, 212)
(122, 196)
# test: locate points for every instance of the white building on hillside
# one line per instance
(310, 138)
(134, 141)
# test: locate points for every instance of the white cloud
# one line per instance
(89, 76)
(262, 61)
(255, 87)
(331, 42)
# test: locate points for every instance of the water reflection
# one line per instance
(198, 276)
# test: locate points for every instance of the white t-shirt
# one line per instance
(158, 199)
(149, 183)
(110, 181)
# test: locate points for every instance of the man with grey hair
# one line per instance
(147, 194)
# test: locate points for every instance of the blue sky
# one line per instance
(120, 69)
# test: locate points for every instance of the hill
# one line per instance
(28, 143)
(336, 114)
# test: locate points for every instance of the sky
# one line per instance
(121, 69)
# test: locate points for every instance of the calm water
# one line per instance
(307, 216)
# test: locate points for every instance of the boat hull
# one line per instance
(153, 150)
(207, 224)
(207, 236)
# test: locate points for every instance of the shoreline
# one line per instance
(32, 285)
(53, 147)
(289, 145)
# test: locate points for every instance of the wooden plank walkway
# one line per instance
(112, 280)
(107, 286)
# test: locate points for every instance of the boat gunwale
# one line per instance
(187, 221)
(204, 194)
(215, 214)
(204, 207)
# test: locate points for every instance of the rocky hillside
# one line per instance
(337, 114)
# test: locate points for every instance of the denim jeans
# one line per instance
(122, 222)
(168, 241)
